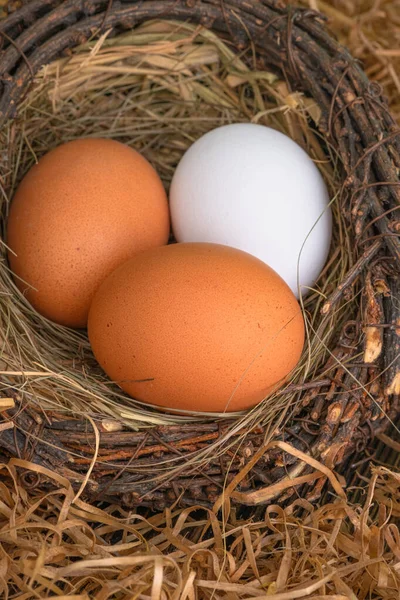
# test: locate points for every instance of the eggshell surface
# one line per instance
(253, 188)
(196, 326)
(85, 208)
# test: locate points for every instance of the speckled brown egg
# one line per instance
(196, 326)
(85, 208)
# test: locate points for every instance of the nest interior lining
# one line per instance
(158, 89)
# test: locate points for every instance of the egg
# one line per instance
(85, 208)
(253, 188)
(196, 326)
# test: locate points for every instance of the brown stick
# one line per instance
(351, 276)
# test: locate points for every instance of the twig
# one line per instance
(351, 276)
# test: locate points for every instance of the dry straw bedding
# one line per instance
(56, 546)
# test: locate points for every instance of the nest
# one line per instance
(99, 68)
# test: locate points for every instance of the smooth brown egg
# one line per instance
(196, 326)
(85, 208)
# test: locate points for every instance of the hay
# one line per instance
(371, 30)
(56, 546)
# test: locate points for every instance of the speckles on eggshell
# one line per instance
(85, 208)
(182, 313)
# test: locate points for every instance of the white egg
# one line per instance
(254, 188)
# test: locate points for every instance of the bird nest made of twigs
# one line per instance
(157, 75)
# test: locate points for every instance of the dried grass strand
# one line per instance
(56, 544)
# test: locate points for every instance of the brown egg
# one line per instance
(196, 327)
(84, 209)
